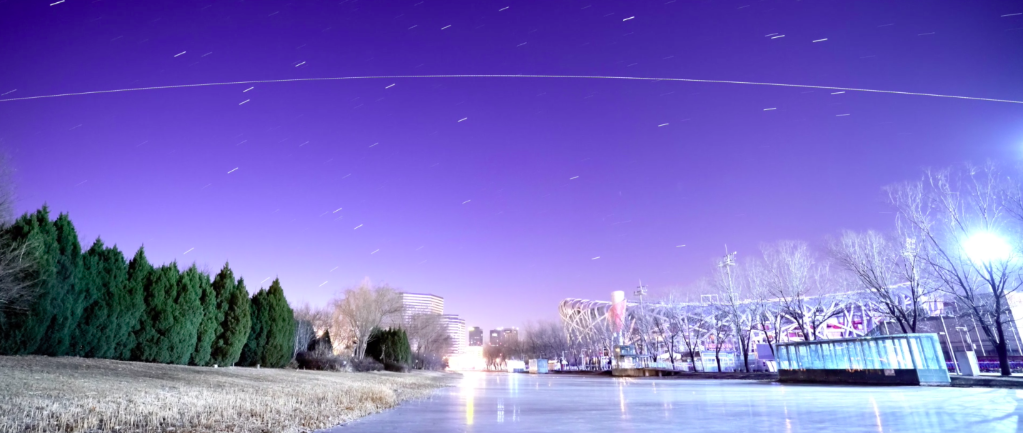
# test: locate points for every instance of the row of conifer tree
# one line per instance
(96, 304)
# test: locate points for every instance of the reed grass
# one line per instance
(42, 394)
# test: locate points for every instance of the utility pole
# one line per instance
(641, 292)
(726, 264)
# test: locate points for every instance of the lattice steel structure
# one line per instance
(840, 316)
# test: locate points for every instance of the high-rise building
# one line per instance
(475, 336)
(425, 303)
(456, 330)
(510, 334)
(495, 337)
(421, 303)
(503, 336)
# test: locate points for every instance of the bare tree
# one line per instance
(790, 266)
(601, 336)
(310, 323)
(364, 308)
(6, 191)
(17, 257)
(760, 308)
(341, 335)
(1013, 199)
(640, 324)
(319, 317)
(17, 275)
(718, 327)
(428, 336)
(889, 270)
(968, 253)
(545, 340)
(691, 327)
(734, 307)
(304, 334)
(829, 296)
(493, 356)
(665, 325)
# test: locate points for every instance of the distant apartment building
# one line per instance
(495, 337)
(425, 303)
(510, 334)
(475, 336)
(456, 330)
(502, 336)
(421, 303)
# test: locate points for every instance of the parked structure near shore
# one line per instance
(905, 359)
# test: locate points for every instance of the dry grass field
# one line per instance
(40, 394)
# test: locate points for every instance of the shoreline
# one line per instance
(983, 381)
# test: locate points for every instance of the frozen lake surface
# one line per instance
(496, 402)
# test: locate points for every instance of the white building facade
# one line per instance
(456, 330)
(421, 303)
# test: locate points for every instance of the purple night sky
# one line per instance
(502, 213)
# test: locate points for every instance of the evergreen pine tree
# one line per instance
(131, 314)
(187, 313)
(211, 318)
(279, 327)
(23, 331)
(233, 331)
(389, 346)
(103, 280)
(124, 308)
(68, 300)
(152, 342)
(252, 352)
(403, 351)
(95, 314)
(215, 306)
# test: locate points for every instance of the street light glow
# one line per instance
(987, 247)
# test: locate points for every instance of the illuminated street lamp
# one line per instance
(986, 247)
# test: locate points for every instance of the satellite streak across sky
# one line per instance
(585, 77)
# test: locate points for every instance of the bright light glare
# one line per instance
(515, 365)
(986, 247)
(472, 359)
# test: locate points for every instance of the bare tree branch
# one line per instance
(890, 273)
(364, 308)
(17, 276)
(970, 205)
(6, 191)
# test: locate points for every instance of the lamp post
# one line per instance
(967, 339)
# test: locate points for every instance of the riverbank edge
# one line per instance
(956, 381)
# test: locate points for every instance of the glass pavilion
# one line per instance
(891, 359)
